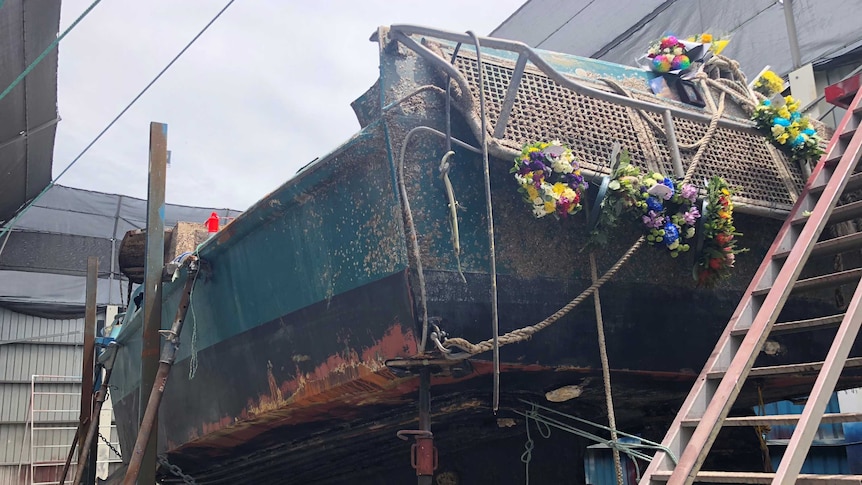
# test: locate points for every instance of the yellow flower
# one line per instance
(769, 83)
(569, 194)
(532, 149)
(784, 113)
(706, 38)
(724, 214)
(550, 207)
(777, 130)
(531, 191)
(725, 192)
(781, 138)
(559, 188)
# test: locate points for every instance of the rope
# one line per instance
(606, 373)
(414, 238)
(47, 50)
(495, 321)
(761, 433)
(526, 333)
(527, 455)
(28, 205)
(193, 358)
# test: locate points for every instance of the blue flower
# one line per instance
(669, 184)
(781, 121)
(654, 204)
(797, 141)
(766, 102)
(671, 233)
(809, 131)
(795, 116)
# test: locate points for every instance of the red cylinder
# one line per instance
(212, 223)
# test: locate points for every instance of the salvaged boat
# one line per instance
(317, 314)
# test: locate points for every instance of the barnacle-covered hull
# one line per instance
(304, 302)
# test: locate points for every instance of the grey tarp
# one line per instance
(43, 267)
(828, 30)
(28, 114)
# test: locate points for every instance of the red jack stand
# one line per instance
(423, 454)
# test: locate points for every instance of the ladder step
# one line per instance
(831, 246)
(804, 368)
(779, 419)
(755, 477)
(799, 325)
(818, 282)
(839, 214)
(853, 183)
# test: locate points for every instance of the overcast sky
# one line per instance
(264, 91)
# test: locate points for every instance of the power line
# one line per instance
(8, 227)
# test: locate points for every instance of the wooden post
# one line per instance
(155, 251)
(88, 362)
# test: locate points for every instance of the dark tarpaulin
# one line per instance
(827, 30)
(28, 114)
(43, 267)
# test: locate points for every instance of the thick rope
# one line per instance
(526, 333)
(606, 372)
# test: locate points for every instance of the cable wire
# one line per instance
(47, 50)
(26, 207)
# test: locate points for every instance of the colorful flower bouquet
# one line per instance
(550, 179)
(769, 84)
(664, 207)
(668, 54)
(719, 249)
(674, 55)
(779, 119)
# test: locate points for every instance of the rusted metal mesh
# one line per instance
(545, 110)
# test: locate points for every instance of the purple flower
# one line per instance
(536, 165)
(691, 216)
(654, 204)
(671, 233)
(689, 192)
(653, 220)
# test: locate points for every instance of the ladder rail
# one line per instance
(691, 457)
(824, 386)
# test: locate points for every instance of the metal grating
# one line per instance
(746, 161)
(544, 110)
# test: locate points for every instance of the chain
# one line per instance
(111, 446)
(177, 471)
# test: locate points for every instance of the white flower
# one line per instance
(562, 166)
(520, 179)
(539, 210)
(538, 201)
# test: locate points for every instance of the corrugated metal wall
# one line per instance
(41, 346)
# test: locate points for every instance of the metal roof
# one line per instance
(28, 114)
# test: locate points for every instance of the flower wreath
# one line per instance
(719, 250)
(550, 179)
(664, 207)
(780, 120)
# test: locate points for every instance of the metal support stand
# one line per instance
(88, 450)
(169, 355)
(155, 251)
(87, 468)
(423, 454)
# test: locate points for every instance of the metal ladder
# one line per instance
(705, 411)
